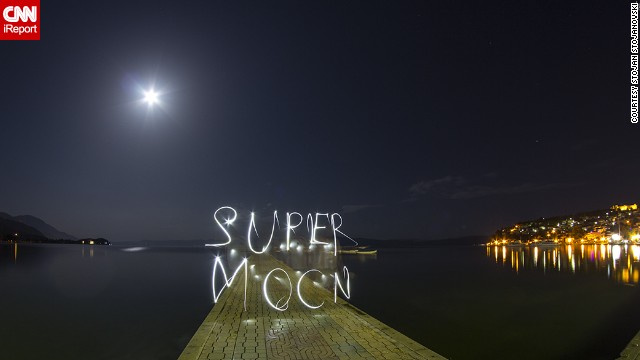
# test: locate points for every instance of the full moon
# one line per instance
(151, 97)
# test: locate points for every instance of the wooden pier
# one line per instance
(632, 351)
(335, 331)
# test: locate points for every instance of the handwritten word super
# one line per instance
(226, 216)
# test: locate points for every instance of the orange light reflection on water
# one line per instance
(620, 263)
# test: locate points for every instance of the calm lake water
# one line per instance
(100, 302)
(92, 302)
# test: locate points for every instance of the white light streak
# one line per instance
(227, 221)
(277, 306)
(226, 216)
(300, 294)
(134, 249)
(335, 230)
(315, 228)
(313, 225)
(253, 224)
(310, 223)
(228, 281)
(337, 283)
(290, 227)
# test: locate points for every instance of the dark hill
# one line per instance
(9, 229)
(46, 229)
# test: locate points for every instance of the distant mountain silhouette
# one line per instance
(46, 229)
(31, 222)
(14, 230)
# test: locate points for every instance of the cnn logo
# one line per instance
(26, 13)
(20, 20)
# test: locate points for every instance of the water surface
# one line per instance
(117, 302)
(505, 303)
(100, 302)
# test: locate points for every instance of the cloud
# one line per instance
(346, 209)
(423, 187)
(457, 187)
(475, 191)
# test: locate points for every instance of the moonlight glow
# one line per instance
(151, 97)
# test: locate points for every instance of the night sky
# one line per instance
(413, 119)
